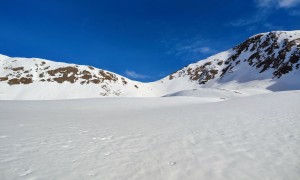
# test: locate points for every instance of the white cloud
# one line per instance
(133, 74)
(276, 3)
(192, 48)
(288, 3)
(203, 50)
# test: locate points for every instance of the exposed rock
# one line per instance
(22, 80)
(3, 78)
(18, 69)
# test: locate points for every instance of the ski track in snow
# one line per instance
(255, 137)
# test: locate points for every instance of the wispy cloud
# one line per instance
(204, 50)
(263, 3)
(288, 3)
(194, 49)
(276, 3)
(190, 49)
(135, 75)
(259, 17)
(264, 9)
(272, 27)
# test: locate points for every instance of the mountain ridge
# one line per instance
(266, 61)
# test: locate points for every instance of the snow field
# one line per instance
(256, 137)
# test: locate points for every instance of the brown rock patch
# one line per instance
(3, 78)
(18, 69)
(20, 81)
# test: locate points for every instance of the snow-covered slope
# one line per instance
(33, 78)
(171, 138)
(263, 63)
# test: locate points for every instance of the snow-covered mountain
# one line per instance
(33, 78)
(264, 62)
(267, 61)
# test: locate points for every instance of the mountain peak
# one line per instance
(265, 56)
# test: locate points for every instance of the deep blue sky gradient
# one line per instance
(147, 38)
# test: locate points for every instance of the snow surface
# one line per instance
(254, 137)
(210, 93)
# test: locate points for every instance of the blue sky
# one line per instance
(140, 39)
